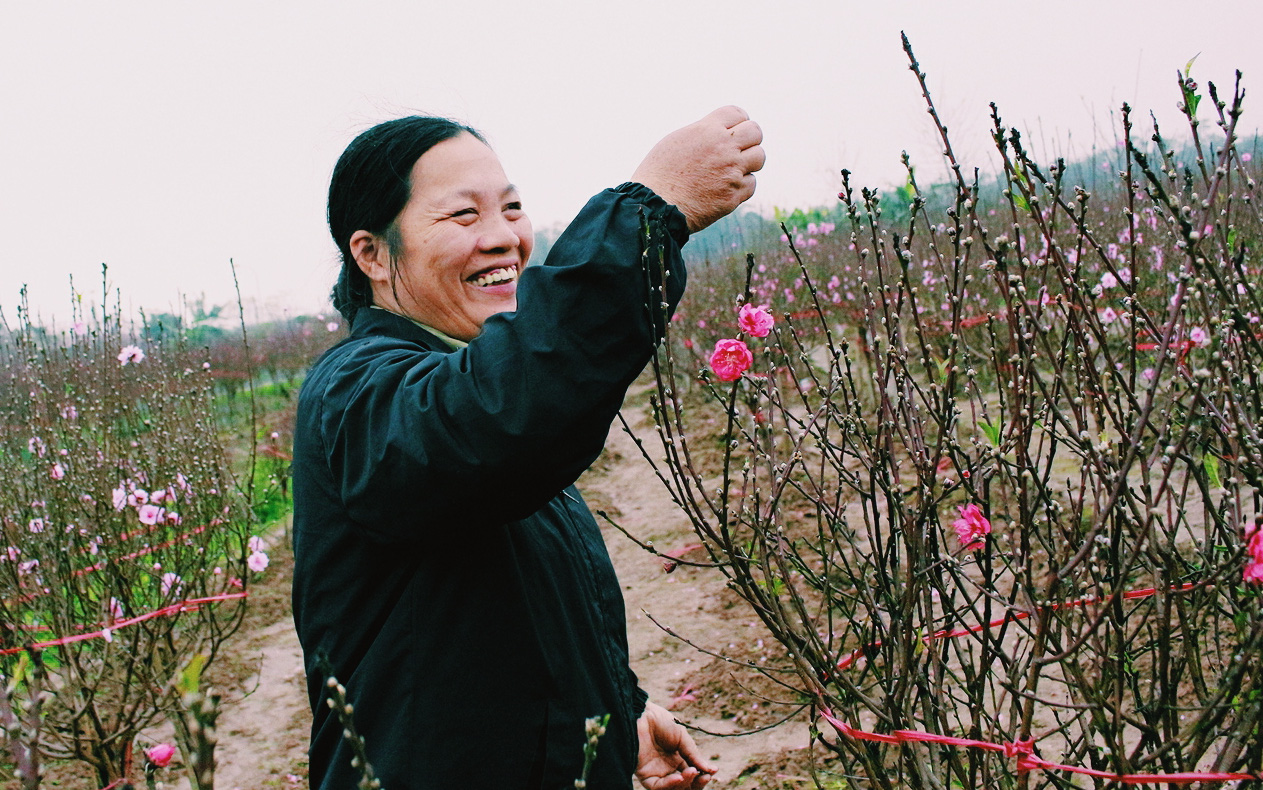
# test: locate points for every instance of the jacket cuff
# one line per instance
(639, 698)
(659, 209)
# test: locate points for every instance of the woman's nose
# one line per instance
(499, 234)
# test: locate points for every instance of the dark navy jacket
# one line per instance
(445, 564)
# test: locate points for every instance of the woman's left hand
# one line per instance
(669, 759)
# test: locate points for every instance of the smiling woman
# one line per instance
(446, 567)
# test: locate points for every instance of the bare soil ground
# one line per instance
(264, 720)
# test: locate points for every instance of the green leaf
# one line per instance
(1210, 462)
(19, 673)
(1019, 198)
(191, 676)
(992, 432)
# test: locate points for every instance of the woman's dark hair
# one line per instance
(371, 183)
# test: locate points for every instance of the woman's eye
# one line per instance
(465, 214)
(513, 210)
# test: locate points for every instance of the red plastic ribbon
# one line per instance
(1023, 750)
(1010, 617)
(98, 566)
(189, 605)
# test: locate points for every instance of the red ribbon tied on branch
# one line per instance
(1022, 749)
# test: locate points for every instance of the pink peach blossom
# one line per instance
(971, 527)
(730, 359)
(257, 562)
(1253, 572)
(755, 321)
(131, 354)
(161, 754)
(170, 582)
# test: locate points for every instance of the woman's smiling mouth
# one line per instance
(499, 276)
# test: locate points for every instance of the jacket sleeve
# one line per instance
(488, 434)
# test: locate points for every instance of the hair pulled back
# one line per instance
(371, 184)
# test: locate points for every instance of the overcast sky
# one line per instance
(165, 138)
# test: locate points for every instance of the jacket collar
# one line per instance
(370, 322)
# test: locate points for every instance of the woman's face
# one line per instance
(462, 241)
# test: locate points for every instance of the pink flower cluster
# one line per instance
(732, 357)
(971, 527)
(149, 507)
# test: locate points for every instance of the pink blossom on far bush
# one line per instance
(132, 354)
(755, 321)
(1199, 336)
(57, 472)
(161, 754)
(257, 562)
(730, 359)
(120, 497)
(150, 514)
(971, 527)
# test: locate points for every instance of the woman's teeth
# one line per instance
(495, 277)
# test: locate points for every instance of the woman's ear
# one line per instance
(371, 255)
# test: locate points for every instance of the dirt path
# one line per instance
(264, 721)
